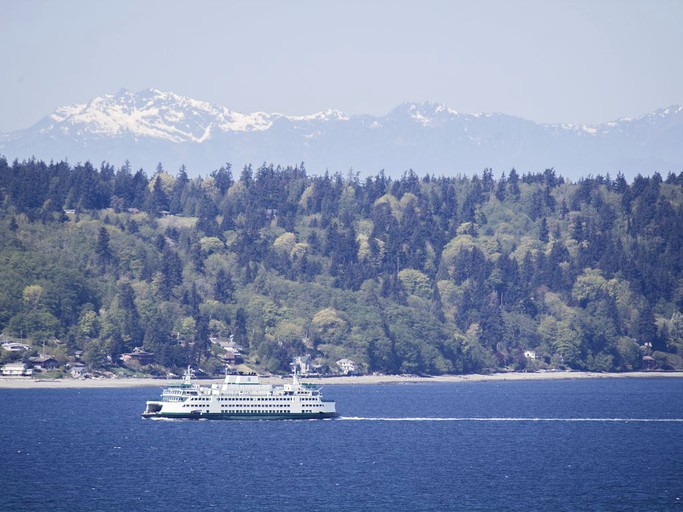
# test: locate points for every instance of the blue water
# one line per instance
(556, 445)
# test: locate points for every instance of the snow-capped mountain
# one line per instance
(153, 126)
(151, 113)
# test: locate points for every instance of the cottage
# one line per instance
(78, 371)
(347, 366)
(530, 354)
(232, 356)
(16, 370)
(138, 356)
(43, 363)
(649, 363)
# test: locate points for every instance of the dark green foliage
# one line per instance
(157, 201)
(414, 275)
(102, 249)
(224, 287)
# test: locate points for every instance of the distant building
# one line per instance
(347, 366)
(138, 356)
(302, 364)
(227, 344)
(11, 346)
(43, 363)
(232, 356)
(78, 371)
(649, 363)
(530, 354)
(16, 370)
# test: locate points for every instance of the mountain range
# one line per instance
(152, 126)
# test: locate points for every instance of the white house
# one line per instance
(16, 370)
(530, 354)
(12, 346)
(347, 366)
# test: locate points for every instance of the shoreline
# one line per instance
(31, 383)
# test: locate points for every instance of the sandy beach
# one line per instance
(31, 383)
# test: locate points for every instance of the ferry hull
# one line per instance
(246, 416)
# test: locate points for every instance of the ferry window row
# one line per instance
(282, 406)
(255, 399)
(272, 407)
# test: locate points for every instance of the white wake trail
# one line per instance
(559, 420)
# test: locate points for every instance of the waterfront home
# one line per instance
(347, 366)
(78, 371)
(43, 363)
(649, 363)
(232, 356)
(16, 370)
(138, 356)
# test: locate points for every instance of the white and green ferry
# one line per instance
(240, 397)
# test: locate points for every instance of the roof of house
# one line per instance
(14, 365)
(13, 345)
(139, 353)
(41, 359)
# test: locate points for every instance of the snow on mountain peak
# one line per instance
(153, 113)
(671, 110)
(164, 115)
(325, 115)
(427, 113)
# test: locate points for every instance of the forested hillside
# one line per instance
(419, 275)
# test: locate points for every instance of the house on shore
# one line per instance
(78, 371)
(43, 363)
(347, 366)
(649, 363)
(138, 356)
(16, 370)
(232, 357)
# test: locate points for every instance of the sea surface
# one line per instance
(574, 445)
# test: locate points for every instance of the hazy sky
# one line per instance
(549, 61)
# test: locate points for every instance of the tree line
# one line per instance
(429, 274)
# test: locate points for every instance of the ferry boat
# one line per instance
(240, 397)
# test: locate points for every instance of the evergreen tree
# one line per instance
(222, 178)
(224, 287)
(513, 184)
(240, 336)
(543, 231)
(102, 249)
